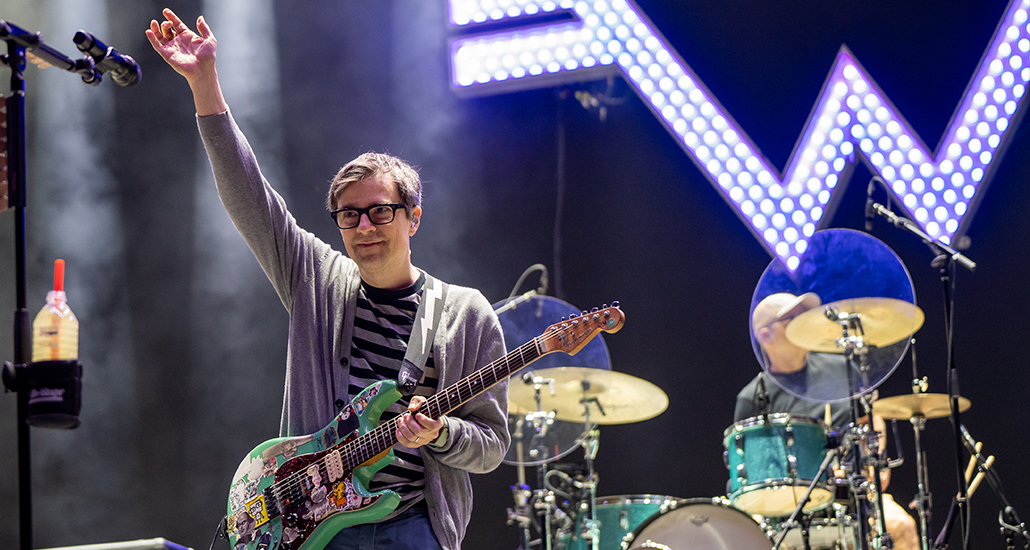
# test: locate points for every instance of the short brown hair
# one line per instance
(372, 164)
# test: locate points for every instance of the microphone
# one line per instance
(763, 396)
(124, 69)
(870, 211)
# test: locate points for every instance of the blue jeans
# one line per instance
(410, 530)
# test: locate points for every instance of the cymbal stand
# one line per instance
(526, 500)
(855, 345)
(591, 527)
(922, 481)
(520, 514)
(923, 500)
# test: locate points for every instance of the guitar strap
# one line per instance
(434, 292)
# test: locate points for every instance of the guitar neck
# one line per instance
(384, 436)
(483, 379)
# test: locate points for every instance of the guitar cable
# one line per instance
(222, 531)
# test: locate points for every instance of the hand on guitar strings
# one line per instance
(415, 429)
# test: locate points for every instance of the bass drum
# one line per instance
(699, 524)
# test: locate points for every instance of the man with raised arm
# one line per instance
(351, 317)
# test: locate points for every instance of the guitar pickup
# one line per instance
(333, 465)
(272, 507)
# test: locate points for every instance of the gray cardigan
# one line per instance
(318, 286)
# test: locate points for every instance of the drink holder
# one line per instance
(54, 389)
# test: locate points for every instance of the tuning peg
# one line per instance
(594, 309)
(615, 303)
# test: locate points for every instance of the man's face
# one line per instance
(381, 251)
(774, 339)
(778, 329)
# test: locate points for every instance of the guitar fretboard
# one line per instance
(384, 435)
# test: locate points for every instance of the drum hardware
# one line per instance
(917, 408)
(567, 501)
(591, 529)
(867, 493)
(791, 522)
(866, 322)
(527, 502)
(830, 529)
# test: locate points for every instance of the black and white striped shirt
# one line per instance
(382, 325)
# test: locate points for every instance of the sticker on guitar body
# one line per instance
(299, 481)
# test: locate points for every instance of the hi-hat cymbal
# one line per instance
(613, 397)
(926, 405)
(885, 321)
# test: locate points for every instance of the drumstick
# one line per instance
(972, 461)
(979, 477)
(827, 414)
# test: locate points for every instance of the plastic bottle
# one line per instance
(55, 332)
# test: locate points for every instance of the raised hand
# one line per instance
(192, 55)
(189, 53)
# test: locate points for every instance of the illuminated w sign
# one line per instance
(939, 189)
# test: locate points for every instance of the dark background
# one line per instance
(183, 339)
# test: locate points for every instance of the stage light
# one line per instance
(852, 117)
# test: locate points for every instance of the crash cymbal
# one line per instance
(614, 397)
(926, 405)
(885, 321)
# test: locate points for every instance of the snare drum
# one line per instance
(772, 460)
(618, 516)
(699, 524)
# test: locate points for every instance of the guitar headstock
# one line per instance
(572, 334)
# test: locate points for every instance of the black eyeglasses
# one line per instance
(378, 214)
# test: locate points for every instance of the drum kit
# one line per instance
(795, 481)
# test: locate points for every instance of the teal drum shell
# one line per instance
(618, 517)
(772, 460)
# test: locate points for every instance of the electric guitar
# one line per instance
(293, 493)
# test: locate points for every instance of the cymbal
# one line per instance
(885, 321)
(926, 405)
(613, 397)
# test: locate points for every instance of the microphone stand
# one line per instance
(15, 59)
(945, 260)
(19, 41)
(1007, 513)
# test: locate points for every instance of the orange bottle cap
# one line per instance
(58, 274)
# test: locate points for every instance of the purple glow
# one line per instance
(852, 116)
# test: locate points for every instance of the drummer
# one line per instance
(797, 367)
